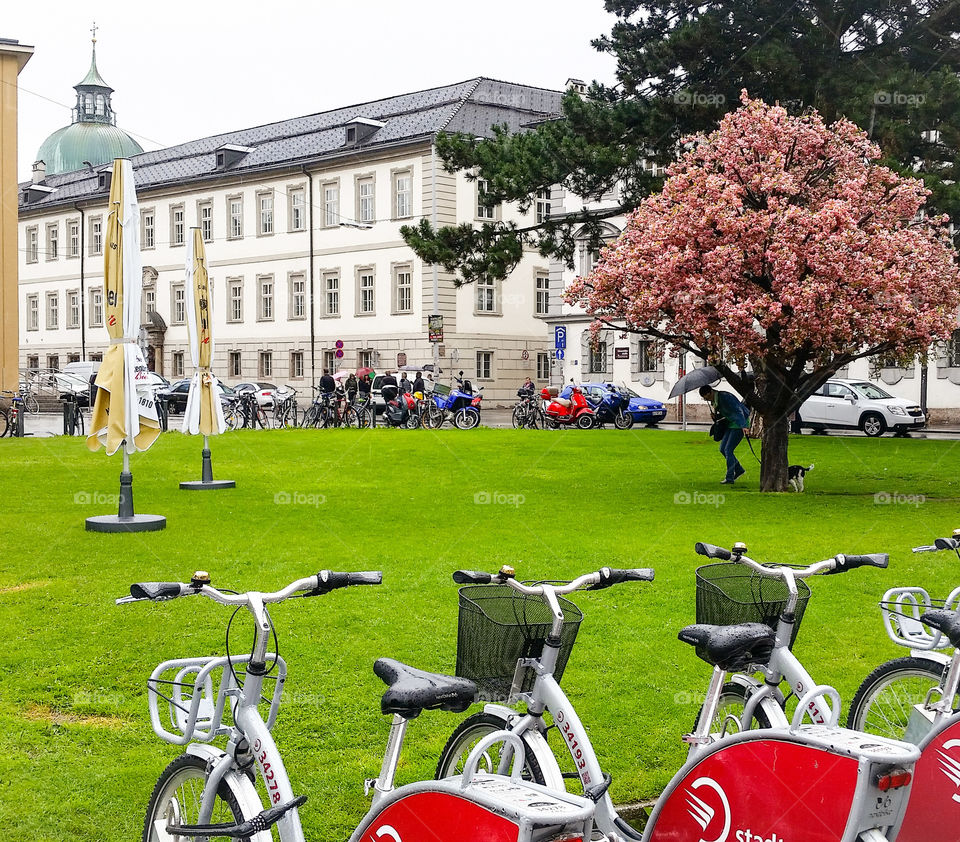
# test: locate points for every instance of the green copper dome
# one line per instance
(93, 136)
(68, 149)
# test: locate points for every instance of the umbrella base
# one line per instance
(203, 485)
(137, 523)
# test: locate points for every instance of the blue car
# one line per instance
(643, 410)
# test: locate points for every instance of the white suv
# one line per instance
(858, 404)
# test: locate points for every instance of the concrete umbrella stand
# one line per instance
(125, 520)
(206, 473)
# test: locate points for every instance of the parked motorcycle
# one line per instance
(461, 405)
(613, 406)
(567, 412)
(398, 410)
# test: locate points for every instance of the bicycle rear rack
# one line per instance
(902, 608)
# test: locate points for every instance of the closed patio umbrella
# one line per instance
(204, 413)
(124, 414)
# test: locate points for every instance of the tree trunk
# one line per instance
(773, 460)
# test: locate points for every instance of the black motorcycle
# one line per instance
(613, 406)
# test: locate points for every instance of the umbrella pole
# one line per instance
(126, 486)
(206, 472)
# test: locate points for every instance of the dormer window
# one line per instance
(360, 129)
(35, 192)
(229, 154)
(104, 177)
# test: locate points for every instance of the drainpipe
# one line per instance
(313, 332)
(436, 271)
(83, 292)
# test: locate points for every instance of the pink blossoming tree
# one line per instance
(778, 244)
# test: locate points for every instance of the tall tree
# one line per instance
(890, 66)
(779, 244)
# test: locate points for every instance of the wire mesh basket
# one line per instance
(902, 609)
(497, 626)
(729, 594)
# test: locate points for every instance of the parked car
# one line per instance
(176, 395)
(158, 381)
(644, 410)
(265, 391)
(858, 404)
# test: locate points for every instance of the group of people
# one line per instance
(361, 387)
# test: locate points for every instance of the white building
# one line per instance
(301, 220)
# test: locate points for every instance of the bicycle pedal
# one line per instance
(694, 740)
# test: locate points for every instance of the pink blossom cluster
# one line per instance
(777, 235)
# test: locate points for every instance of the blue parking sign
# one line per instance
(560, 337)
(559, 353)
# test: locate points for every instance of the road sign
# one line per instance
(338, 344)
(559, 338)
(524, 354)
(338, 354)
(559, 353)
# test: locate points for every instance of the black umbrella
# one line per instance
(694, 380)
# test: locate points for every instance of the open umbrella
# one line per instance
(124, 414)
(363, 372)
(203, 413)
(694, 380)
(343, 374)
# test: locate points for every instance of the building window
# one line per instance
(365, 199)
(265, 214)
(366, 358)
(486, 296)
(265, 298)
(296, 365)
(402, 194)
(33, 248)
(543, 366)
(53, 362)
(73, 308)
(235, 213)
(73, 237)
(953, 351)
(403, 289)
(484, 365)
(543, 294)
(365, 291)
(331, 294)
(331, 204)
(543, 205)
(33, 362)
(177, 226)
(298, 208)
(233, 364)
(266, 364)
(53, 241)
(235, 302)
(53, 310)
(150, 300)
(484, 211)
(329, 361)
(96, 307)
(148, 229)
(33, 312)
(598, 358)
(648, 356)
(179, 304)
(96, 235)
(177, 363)
(297, 297)
(205, 215)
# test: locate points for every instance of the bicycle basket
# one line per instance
(497, 626)
(730, 594)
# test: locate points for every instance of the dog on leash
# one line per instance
(795, 475)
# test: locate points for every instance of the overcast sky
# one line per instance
(183, 70)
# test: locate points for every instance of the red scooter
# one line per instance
(567, 412)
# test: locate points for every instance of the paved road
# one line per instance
(50, 424)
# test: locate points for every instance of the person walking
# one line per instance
(728, 410)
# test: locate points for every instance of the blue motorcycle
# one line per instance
(461, 405)
(612, 405)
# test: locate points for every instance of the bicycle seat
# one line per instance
(732, 648)
(412, 690)
(946, 621)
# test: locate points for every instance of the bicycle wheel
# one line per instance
(176, 799)
(78, 422)
(4, 423)
(31, 404)
(518, 418)
(351, 418)
(309, 418)
(231, 418)
(726, 720)
(467, 734)
(883, 702)
(261, 418)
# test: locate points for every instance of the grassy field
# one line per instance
(78, 758)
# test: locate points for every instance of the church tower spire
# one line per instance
(93, 94)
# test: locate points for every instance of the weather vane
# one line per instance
(93, 29)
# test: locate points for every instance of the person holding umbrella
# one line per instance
(734, 417)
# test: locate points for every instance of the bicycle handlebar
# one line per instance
(605, 577)
(838, 564)
(316, 585)
(941, 544)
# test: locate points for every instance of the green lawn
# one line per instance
(78, 758)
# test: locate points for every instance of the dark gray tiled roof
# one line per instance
(473, 106)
